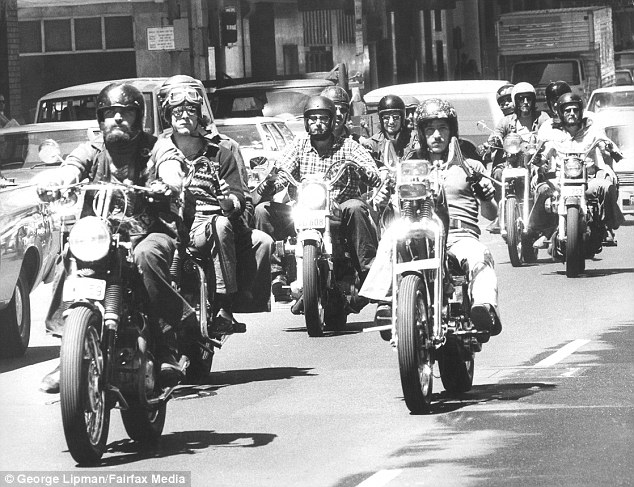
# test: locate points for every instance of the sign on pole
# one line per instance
(160, 38)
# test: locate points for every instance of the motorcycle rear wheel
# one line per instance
(575, 258)
(456, 366)
(85, 412)
(313, 309)
(513, 224)
(412, 330)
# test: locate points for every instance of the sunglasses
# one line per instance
(394, 116)
(571, 110)
(112, 112)
(181, 110)
(183, 94)
(325, 119)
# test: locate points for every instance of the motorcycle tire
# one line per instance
(313, 309)
(85, 412)
(512, 221)
(15, 321)
(575, 257)
(456, 366)
(144, 425)
(529, 253)
(413, 332)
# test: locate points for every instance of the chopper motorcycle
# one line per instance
(326, 277)
(106, 357)
(430, 291)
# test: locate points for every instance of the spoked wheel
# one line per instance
(456, 367)
(413, 336)
(15, 321)
(313, 309)
(513, 223)
(575, 258)
(85, 414)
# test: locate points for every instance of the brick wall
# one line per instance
(13, 57)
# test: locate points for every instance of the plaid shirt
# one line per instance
(300, 158)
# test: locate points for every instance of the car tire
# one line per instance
(15, 321)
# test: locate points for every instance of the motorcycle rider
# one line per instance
(576, 130)
(553, 91)
(389, 143)
(126, 153)
(314, 153)
(525, 120)
(437, 125)
(504, 98)
(341, 99)
(214, 206)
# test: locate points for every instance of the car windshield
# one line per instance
(542, 73)
(601, 101)
(18, 150)
(285, 104)
(623, 59)
(245, 135)
(622, 136)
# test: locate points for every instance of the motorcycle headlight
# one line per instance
(90, 239)
(313, 196)
(412, 191)
(573, 167)
(513, 144)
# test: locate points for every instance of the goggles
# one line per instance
(180, 95)
(179, 111)
(325, 119)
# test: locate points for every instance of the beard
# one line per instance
(321, 136)
(117, 136)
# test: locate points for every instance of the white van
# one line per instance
(473, 100)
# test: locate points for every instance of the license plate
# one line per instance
(84, 288)
(311, 219)
(572, 191)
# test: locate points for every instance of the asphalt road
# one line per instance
(552, 402)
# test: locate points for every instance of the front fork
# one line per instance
(507, 175)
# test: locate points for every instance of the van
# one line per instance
(473, 100)
(79, 102)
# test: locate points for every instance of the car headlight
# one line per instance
(573, 167)
(313, 196)
(90, 239)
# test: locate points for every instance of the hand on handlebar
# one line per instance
(482, 187)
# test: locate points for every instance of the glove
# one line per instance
(481, 187)
(373, 179)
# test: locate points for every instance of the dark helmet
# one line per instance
(504, 90)
(569, 99)
(554, 90)
(523, 88)
(389, 104)
(122, 95)
(178, 90)
(432, 109)
(337, 94)
(320, 103)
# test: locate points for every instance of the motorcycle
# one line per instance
(107, 357)
(580, 230)
(516, 197)
(328, 280)
(430, 291)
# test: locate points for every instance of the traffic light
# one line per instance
(229, 26)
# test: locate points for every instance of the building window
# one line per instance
(88, 34)
(77, 34)
(317, 29)
(119, 32)
(30, 36)
(57, 35)
(345, 27)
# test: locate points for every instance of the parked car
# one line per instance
(259, 137)
(624, 59)
(619, 127)
(281, 99)
(623, 76)
(473, 100)
(613, 98)
(79, 103)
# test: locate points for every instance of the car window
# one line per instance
(542, 73)
(623, 58)
(67, 109)
(245, 135)
(622, 136)
(601, 101)
(285, 131)
(623, 78)
(285, 104)
(277, 140)
(21, 150)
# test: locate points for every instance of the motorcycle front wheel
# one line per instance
(313, 309)
(142, 424)
(513, 224)
(85, 414)
(413, 333)
(575, 258)
(456, 366)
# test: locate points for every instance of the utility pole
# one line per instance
(198, 39)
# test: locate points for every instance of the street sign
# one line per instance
(160, 38)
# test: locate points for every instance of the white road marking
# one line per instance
(380, 478)
(561, 354)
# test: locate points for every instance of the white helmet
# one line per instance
(523, 88)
